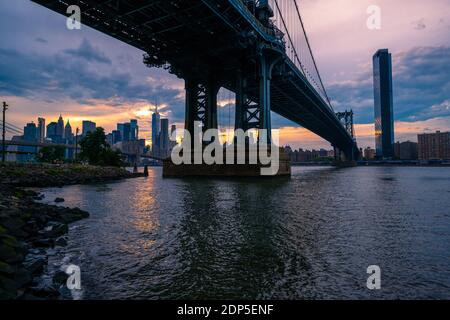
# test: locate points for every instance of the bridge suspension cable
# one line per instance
(287, 18)
(10, 128)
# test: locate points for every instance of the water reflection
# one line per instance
(311, 236)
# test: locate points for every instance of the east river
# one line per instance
(308, 237)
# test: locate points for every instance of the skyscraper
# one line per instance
(126, 134)
(134, 130)
(51, 130)
(164, 138)
(41, 130)
(88, 126)
(155, 129)
(30, 132)
(68, 135)
(384, 117)
(117, 136)
(120, 129)
(60, 127)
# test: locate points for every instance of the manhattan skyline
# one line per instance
(47, 69)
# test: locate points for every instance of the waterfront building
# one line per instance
(406, 150)
(155, 130)
(384, 117)
(434, 146)
(369, 153)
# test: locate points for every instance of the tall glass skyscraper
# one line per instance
(164, 138)
(134, 130)
(155, 130)
(384, 115)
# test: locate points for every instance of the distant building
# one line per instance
(301, 155)
(384, 118)
(434, 146)
(126, 134)
(88, 126)
(164, 144)
(155, 130)
(68, 134)
(51, 130)
(406, 150)
(117, 137)
(369, 153)
(41, 130)
(60, 127)
(323, 153)
(30, 132)
(110, 139)
(120, 129)
(134, 130)
(27, 153)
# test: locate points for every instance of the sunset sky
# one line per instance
(46, 69)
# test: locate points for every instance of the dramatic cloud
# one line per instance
(56, 77)
(421, 86)
(89, 53)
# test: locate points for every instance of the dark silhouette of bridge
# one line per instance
(256, 48)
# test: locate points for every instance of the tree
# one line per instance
(96, 151)
(52, 154)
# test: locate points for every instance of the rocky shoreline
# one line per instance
(28, 228)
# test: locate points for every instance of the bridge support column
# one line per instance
(247, 111)
(240, 116)
(344, 158)
(201, 105)
(211, 91)
(195, 105)
(266, 65)
(264, 99)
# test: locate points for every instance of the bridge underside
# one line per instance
(213, 44)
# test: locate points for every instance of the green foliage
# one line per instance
(51, 154)
(96, 151)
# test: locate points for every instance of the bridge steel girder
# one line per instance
(255, 113)
(201, 104)
(247, 115)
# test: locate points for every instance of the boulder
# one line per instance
(35, 264)
(59, 278)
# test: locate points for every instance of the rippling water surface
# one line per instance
(310, 236)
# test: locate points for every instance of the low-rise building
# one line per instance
(434, 146)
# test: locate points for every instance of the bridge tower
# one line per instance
(254, 112)
(346, 117)
(201, 103)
